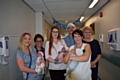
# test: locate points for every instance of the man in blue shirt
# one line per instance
(68, 39)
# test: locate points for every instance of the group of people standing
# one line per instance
(32, 60)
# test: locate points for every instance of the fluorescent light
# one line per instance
(93, 3)
(66, 21)
(81, 18)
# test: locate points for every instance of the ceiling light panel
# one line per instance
(68, 4)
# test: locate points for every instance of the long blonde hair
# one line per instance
(21, 45)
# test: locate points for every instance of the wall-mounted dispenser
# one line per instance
(4, 50)
(101, 38)
(114, 39)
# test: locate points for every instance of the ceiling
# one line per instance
(62, 10)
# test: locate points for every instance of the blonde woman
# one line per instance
(26, 58)
(95, 48)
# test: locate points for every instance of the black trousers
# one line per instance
(95, 72)
(57, 74)
(43, 77)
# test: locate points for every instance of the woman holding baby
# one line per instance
(83, 56)
(40, 53)
(54, 52)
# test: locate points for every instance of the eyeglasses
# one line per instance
(38, 41)
(54, 31)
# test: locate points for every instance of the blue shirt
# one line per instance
(26, 58)
(69, 41)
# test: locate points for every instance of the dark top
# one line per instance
(95, 48)
(43, 50)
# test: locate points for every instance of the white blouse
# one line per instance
(54, 53)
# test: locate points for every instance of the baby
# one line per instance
(60, 56)
(71, 66)
(40, 63)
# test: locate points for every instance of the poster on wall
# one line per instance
(93, 28)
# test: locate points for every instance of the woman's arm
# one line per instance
(22, 67)
(47, 53)
(67, 56)
(51, 59)
(93, 63)
(84, 57)
(96, 60)
(64, 47)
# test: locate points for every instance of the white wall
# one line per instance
(110, 19)
(46, 31)
(39, 22)
(15, 18)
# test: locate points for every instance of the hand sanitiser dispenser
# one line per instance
(4, 50)
(114, 39)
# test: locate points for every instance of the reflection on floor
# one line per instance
(47, 78)
(99, 78)
(108, 71)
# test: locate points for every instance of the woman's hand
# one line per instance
(39, 54)
(60, 61)
(71, 51)
(93, 65)
(60, 55)
(23, 68)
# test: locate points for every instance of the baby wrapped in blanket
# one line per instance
(72, 65)
(60, 56)
(40, 64)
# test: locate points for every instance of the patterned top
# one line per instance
(26, 58)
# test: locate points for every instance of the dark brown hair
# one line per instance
(77, 31)
(38, 36)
